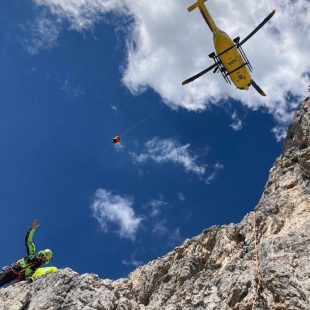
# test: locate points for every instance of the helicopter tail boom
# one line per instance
(195, 5)
(205, 13)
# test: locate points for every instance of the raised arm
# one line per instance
(31, 249)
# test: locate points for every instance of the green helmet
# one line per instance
(46, 254)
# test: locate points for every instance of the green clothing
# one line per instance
(42, 271)
(29, 266)
(31, 249)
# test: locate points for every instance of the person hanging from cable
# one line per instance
(28, 268)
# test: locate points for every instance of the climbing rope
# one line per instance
(257, 264)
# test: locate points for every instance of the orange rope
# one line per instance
(257, 261)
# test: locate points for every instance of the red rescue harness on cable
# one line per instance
(116, 139)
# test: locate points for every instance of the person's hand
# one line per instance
(35, 224)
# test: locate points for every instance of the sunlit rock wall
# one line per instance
(261, 263)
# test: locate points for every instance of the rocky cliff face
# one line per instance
(261, 263)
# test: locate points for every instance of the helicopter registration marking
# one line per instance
(232, 62)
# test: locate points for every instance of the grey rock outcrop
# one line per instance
(261, 263)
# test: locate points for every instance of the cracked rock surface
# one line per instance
(261, 263)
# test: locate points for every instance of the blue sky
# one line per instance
(65, 91)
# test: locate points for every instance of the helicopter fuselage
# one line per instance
(229, 56)
(231, 60)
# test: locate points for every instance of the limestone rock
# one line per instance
(261, 263)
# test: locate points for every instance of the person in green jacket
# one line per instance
(29, 267)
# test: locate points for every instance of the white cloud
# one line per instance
(82, 14)
(109, 209)
(156, 205)
(42, 33)
(114, 108)
(68, 86)
(181, 196)
(118, 147)
(237, 122)
(132, 261)
(279, 132)
(216, 168)
(170, 150)
(166, 44)
(172, 236)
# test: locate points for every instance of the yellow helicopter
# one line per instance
(229, 58)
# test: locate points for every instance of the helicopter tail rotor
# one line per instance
(258, 89)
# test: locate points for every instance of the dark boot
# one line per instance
(7, 276)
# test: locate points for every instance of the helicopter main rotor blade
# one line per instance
(196, 76)
(257, 28)
(258, 89)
